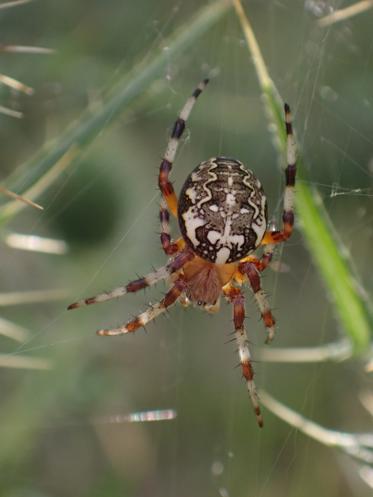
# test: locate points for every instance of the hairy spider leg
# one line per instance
(165, 185)
(169, 246)
(235, 296)
(184, 301)
(248, 269)
(266, 257)
(134, 286)
(273, 237)
(154, 310)
(264, 261)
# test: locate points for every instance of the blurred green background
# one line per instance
(105, 206)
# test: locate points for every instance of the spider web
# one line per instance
(58, 426)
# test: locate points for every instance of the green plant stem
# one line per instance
(327, 251)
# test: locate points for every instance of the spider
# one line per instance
(222, 214)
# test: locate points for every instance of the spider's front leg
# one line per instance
(169, 246)
(169, 200)
(164, 183)
(235, 296)
(249, 269)
(134, 286)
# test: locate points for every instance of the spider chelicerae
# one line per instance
(222, 214)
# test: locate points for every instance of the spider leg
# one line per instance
(184, 301)
(273, 237)
(154, 310)
(134, 286)
(169, 246)
(165, 185)
(235, 296)
(264, 261)
(249, 269)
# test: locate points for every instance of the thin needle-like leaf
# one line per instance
(12, 330)
(150, 416)
(26, 49)
(357, 445)
(19, 198)
(15, 84)
(126, 91)
(31, 297)
(346, 13)
(351, 306)
(10, 112)
(366, 398)
(35, 243)
(24, 362)
(15, 3)
(12, 208)
(369, 366)
(334, 352)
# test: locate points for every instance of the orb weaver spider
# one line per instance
(222, 214)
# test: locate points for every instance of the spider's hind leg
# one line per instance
(249, 269)
(235, 296)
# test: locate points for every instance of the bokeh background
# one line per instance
(55, 435)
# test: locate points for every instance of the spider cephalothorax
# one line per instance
(222, 214)
(222, 210)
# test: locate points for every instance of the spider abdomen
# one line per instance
(222, 210)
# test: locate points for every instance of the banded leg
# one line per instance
(165, 185)
(154, 310)
(169, 246)
(264, 261)
(249, 269)
(272, 237)
(136, 285)
(235, 296)
(267, 255)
